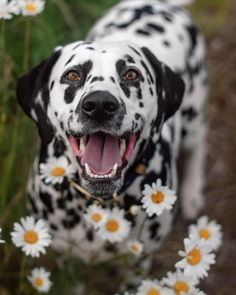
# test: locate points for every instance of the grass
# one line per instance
(61, 22)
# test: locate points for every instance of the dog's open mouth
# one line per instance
(102, 156)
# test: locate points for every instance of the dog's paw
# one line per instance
(192, 204)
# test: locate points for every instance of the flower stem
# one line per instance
(22, 270)
(2, 47)
(26, 45)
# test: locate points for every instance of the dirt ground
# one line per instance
(221, 162)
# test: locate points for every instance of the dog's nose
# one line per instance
(99, 105)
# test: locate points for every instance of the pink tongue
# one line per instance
(102, 153)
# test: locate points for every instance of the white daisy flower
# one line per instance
(180, 283)
(39, 279)
(116, 228)
(31, 7)
(196, 291)
(197, 258)
(56, 169)
(210, 231)
(157, 198)
(135, 247)
(8, 8)
(96, 215)
(31, 235)
(1, 241)
(149, 287)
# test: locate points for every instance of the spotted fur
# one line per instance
(161, 42)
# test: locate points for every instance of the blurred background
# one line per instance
(25, 41)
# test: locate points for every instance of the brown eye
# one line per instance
(131, 75)
(73, 76)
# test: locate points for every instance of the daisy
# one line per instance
(196, 258)
(32, 236)
(196, 291)
(8, 8)
(96, 215)
(157, 198)
(209, 231)
(31, 7)
(39, 279)
(55, 170)
(149, 287)
(1, 241)
(135, 247)
(180, 283)
(116, 228)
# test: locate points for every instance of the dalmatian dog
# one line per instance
(119, 108)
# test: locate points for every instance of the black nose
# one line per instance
(99, 105)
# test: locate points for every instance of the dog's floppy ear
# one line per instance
(32, 91)
(170, 87)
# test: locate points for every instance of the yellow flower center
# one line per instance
(31, 237)
(153, 291)
(38, 282)
(30, 7)
(194, 256)
(96, 217)
(158, 197)
(57, 171)
(204, 233)
(112, 225)
(180, 286)
(134, 248)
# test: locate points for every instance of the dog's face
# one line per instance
(103, 99)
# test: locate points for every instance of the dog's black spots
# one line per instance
(96, 78)
(141, 104)
(139, 94)
(125, 89)
(104, 51)
(52, 85)
(167, 16)
(156, 27)
(129, 58)
(90, 48)
(87, 66)
(61, 203)
(120, 66)
(192, 31)
(47, 200)
(137, 116)
(71, 221)
(88, 77)
(148, 72)
(138, 13)
(81, 44)
(90, 235)
(56, 114)
(143, 32)
(113, 80)
(151, 91)
(184, 132)
(62, 125)
(59, 147)
(53, 227)
(70, 59)
(45, 214)
(166, 43)
(70, 94)
(154, 229)
(33, 205)
(134, 50)
(190, 113)
(111, 248)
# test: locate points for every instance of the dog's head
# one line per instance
(103, 99)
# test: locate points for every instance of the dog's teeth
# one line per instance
(87, 169)
(122, 146)
(114, 170)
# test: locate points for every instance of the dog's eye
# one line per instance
(73, 76)
(131, 75)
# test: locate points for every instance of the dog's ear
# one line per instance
(32, 91)
(170, 87)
